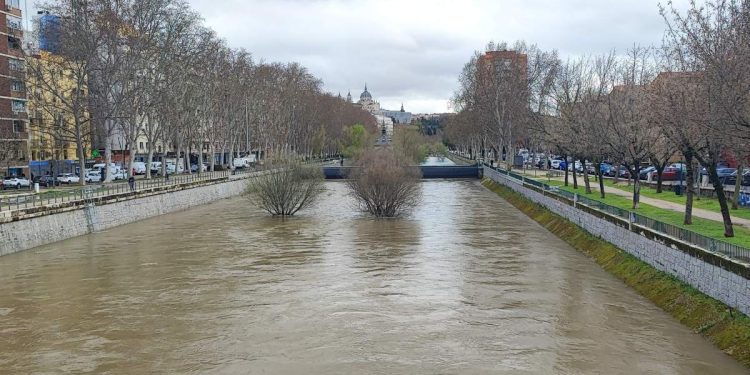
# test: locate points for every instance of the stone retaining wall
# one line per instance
(52, 224)
(713, 275)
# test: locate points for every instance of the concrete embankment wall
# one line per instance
(712, 274)
(56, 223)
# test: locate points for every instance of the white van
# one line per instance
(114, 172)
(244, 162)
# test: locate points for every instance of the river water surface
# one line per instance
(464, 285)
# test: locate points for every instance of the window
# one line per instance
(65, 153)
(14, 22)
(16, 65)
(18, 126)
(16, 85)
(18, 106)
(13, 4)
(14, 43)
(140, 145)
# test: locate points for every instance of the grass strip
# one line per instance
(727, 328)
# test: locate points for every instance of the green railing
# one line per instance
(711, 244)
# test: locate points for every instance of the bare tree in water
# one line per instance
(384, 185)
(288, 189)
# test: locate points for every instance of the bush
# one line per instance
(288, 188)
(383, 185)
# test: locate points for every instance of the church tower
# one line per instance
(349, 96)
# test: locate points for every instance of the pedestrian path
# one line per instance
(697, 212)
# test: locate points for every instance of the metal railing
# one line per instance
(685, 235)
(92, 191)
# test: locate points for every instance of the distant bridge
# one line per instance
(428, 172)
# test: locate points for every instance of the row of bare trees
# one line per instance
(128, 72)
(687, 99)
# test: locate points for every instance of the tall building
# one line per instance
(14, 136)
(51, 126)
(500, 63)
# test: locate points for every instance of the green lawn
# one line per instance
(709, 228)
(706, 203)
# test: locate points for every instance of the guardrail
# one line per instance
(685, 235)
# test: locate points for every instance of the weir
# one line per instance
(428, 172)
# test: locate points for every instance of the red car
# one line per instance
(671, 174)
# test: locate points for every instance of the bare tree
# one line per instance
(384, 185)
(711, 39)
(628, 133)
(289, 188)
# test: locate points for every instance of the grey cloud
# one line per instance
(413, 50)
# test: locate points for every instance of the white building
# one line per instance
(384, 123)
(368, 104)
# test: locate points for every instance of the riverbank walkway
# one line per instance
(658, 203)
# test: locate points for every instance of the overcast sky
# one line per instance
(412, 51)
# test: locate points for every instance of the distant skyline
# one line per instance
(412, 51)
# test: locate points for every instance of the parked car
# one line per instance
(624, 172)
(672, 174)
(577, 165)
(139, 167)
(68, 178)
(244, 162)
(194, 167)
(173, 168)
(13, 182)
(155, 167)
(606, 169)
(732, 179)
(93, 176)
(643, 174)
(559, 164)
(119, 174)
(46, 181)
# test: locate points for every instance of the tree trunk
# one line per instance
(601, 180)
(149, 160)
(586, 178)
(565, 157)
(573, 167)
(659, 178)
(200, 158)
(719, 189)
(636, 185)
(107, 159)
(690, 192)
(737, 185)
(81, 160)
(617, 174)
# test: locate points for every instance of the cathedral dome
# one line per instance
(365, 95)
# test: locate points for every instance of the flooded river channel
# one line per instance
(464, 285)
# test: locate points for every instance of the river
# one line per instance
(466, 284)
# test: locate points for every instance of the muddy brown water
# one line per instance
(465, 285)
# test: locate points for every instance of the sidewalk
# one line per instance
(697, 212)
(667, 205)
